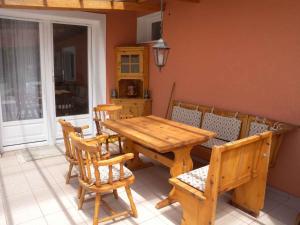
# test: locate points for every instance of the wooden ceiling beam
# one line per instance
(85, 5)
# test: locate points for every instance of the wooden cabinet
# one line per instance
(132, 80)
(135, 107)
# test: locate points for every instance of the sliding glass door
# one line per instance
(72, 98)
(46, 74)
(21, 83)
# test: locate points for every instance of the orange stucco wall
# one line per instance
(238, 55)
(120, 30)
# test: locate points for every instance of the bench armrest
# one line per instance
(187, 188)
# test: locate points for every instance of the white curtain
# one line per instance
(20, 78)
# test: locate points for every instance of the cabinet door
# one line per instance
(130, 63)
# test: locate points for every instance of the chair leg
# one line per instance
(132, 205)
(106, 144)
(120, 145)
(79, 192)
(115, 191)
(69, 173)
(81, 200)
(97, 207)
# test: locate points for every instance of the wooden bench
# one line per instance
(241, 166)
(228, 125)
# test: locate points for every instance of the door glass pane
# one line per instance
(20, 79)
(71, 69)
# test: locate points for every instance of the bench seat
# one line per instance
(196, 178)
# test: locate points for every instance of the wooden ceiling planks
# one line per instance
(85, 5)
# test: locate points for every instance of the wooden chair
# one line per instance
(241, 166)
(111, 112)
(67, 128)
(102, 176)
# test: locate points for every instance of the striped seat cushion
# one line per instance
(195, 178)
(256, 128)
(227, 128)
(104, 173)
(214, 141)
(186, 116)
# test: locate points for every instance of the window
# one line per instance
(148, 27)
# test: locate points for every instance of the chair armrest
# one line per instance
(98, 139)
(115, 160)
(80, 129)
(84, 127)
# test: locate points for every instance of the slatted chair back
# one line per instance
(105, 112)
(89, 162)
(67, 128)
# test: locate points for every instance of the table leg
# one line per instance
(136, 163)
(182, 164)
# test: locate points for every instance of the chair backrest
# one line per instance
(67, 128)
(105, 112)
(236, 163)
(89, 162)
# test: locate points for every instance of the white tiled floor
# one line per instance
(35, 193)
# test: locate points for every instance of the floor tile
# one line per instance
(293, 202)
(282, 214)
(10, 170)
(9, 161)
(66, 217)
(52, 200)
(23, 208)
(229, 219)
(277, 195)
(40, 221)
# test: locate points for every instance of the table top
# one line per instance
(159, 134)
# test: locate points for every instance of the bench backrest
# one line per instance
(187, 113)
(236, 163)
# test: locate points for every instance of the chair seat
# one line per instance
(195, 178)
(114, 149)
(213, 141)
(104, 174)
(109, 132)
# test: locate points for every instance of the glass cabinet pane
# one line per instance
(125, 68)
(125, 59)
(135, 58)
(135, 68)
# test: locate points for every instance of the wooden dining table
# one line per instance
(162, 140)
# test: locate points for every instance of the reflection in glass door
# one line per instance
(70, 46)
(20, 83)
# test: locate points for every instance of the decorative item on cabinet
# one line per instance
(114, 93)
(146, 94)
(132, 80)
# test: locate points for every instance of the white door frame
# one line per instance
(96, 57)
